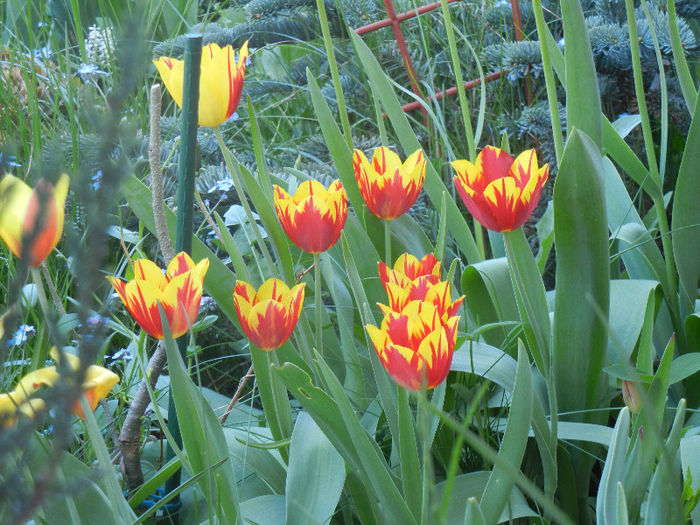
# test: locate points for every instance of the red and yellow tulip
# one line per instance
(179, 293)
(408, 268)
(268, 316)
(314, 217)
(220, 81)
(20, 209)
(389, 187)
(500, 192)
(415, 345)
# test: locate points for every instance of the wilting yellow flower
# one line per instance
(179, 293)
(20, 209)
(501, 193)
(268, 316)
(220, 81)
(314, 217)
(387, 186)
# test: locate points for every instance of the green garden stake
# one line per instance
(185, 203)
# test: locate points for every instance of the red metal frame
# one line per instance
(394, 20)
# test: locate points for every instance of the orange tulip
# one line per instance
(314, 217)
(220, 81)
(179, 293)
(415, 345)
(20, 209)
(268, 316)
(387, 186)
(500, 192)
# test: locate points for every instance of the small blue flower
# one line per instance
(22, 334)
(223, 186)
(123, 354)
(96, 180)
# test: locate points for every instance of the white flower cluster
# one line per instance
(99, 45)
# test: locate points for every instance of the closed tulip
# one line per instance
(314, 217)
(31, 219)
(500, 192)
(388, 186)
(268, 316)
(220, 81)
(179, 293)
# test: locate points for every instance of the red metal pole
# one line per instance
(451, 91)
(400, 17)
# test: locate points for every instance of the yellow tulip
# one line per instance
(220, 81)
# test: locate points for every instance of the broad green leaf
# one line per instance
(626, 123)
(471, 485)
(664, 503)
(530, 296)
(336, 417)
(474, 515)
(582, 276)
(411, 475)
(267, 464)
(202, 437)
(264, 510)
(628, 307)
(685, 218)
(433, 185)
(490, 297)
(692, 330)
(685, 79)
(690, 465)
(684, 366)
(500, 483)
(273, 395)
(485, 361)
(583, 110)
(315, 476)
(613, 471)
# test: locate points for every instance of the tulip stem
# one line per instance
(41, 294)
(387, 242)
(319, 303)
(232, 165)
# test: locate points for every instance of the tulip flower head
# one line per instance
(389, 187)
(415, 345)
(179, 293)
(408, 269)
(220, 81)
(268, 316)
(31, 220)
(314, 217)
(501, 193)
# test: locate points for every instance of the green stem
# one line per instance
(328, 43)
(649, 144)
(464, 106)
(549, 80)
(319, 303)
(41, 294)
(232, 166)
(387, 242)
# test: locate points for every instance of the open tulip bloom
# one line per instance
(268, 316)
(220, 81)
(314, 217)
(388, 186)
(408, 268)
(20, 209)
(179, 293)
(415, 345)
(501, 193)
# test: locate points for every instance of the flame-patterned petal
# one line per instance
(179, 293)
(388, 187)
(268, 316)
(314, 217)
(500, 192)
